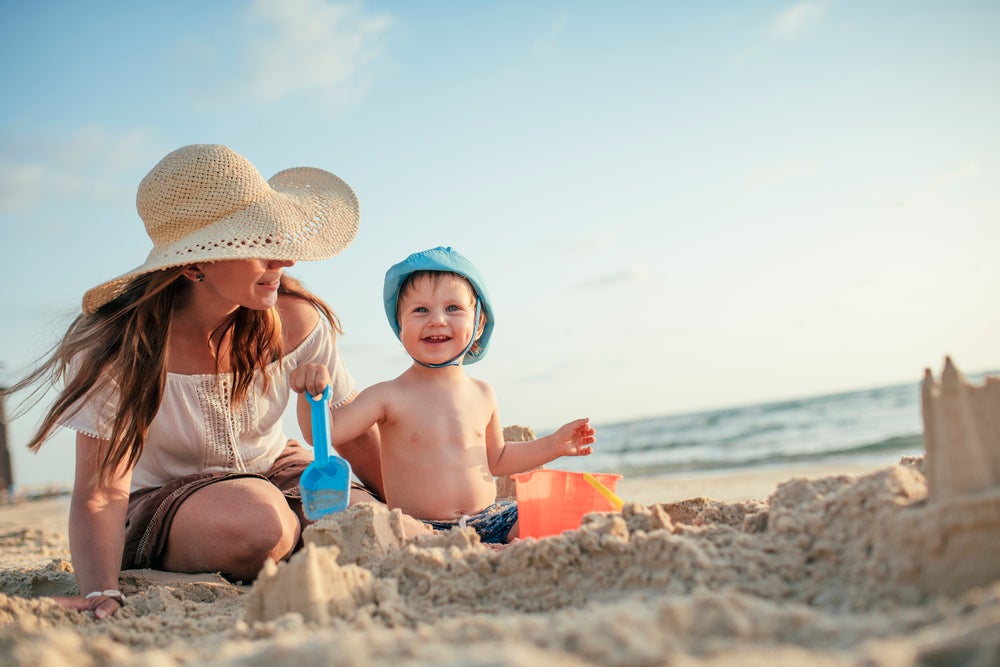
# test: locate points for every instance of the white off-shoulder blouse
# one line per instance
(196, 431)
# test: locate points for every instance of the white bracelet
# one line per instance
(110, 593)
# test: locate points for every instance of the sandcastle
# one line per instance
(954, 539)
(961, 435)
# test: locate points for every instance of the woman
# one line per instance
(176, 375)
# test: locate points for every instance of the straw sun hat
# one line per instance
(205, 203)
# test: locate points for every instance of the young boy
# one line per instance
(442, 442)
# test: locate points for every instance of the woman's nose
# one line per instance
(278, 263)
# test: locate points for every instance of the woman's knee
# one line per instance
(268, 530)
(232, 528)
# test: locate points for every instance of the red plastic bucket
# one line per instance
(551, 501)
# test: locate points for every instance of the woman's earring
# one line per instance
(200, 277)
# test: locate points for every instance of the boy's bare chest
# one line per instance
(443, 417)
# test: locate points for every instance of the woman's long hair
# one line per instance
(124, 345)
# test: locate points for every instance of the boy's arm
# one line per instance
(572, 439)
(351, 420)
(348, 422)
(357, 417)
(365, 456)
(362, 450)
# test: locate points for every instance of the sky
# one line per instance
(677, 206)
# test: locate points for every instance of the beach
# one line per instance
(876, 566)
(730, 487)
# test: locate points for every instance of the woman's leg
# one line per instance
(231, 526)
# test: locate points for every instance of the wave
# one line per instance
(904, 444)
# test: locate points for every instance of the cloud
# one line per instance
(627, 275)
(777, 175)
(938, 184)
(313, 47)
(798, 18)
(90, 163)
(598, 242)
(20, 185)
(545, 43)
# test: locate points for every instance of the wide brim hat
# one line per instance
(207, 203)
(438, 259)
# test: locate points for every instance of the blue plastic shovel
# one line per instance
(326, 482)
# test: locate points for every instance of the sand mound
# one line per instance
(821, 543)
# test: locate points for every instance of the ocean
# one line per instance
(871, 426)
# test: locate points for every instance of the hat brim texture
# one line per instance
(438, 259)
(299, 214)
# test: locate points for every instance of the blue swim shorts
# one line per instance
(492, 524)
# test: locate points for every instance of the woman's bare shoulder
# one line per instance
(298, 318)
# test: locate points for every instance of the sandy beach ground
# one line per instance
(729, 487)
(817, 566)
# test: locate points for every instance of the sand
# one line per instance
(896, 565)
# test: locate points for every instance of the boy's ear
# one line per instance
(482, 326)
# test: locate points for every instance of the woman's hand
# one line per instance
(103, 606)
(312, 378)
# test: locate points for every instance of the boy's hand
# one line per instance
(575, 438)
(312, 378)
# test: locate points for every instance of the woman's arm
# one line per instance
(96, 527)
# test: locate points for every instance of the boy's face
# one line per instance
(437, 318)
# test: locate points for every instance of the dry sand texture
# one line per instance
(897, 567)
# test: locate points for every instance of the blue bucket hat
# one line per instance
(446, 260)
